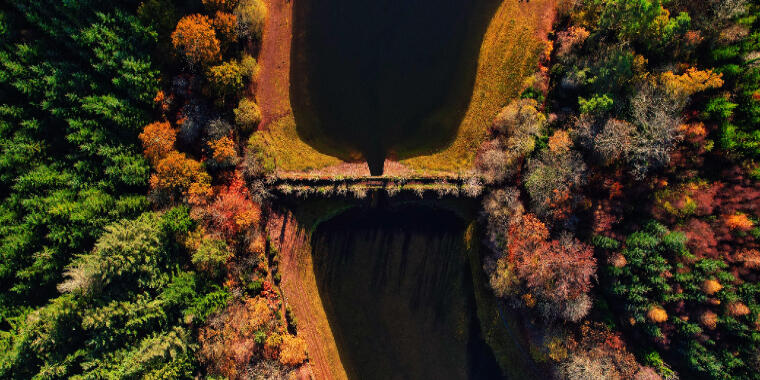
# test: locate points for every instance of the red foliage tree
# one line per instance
(233, 211)
(559, 271)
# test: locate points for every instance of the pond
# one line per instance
(397, 290)
(385, 78)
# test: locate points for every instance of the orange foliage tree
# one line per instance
(223, 150)
(158, 139)
(557, 272)
(739, 221)
(232, 339)
(225, 25)
(196, 39)
(220, 5)
(177, 174)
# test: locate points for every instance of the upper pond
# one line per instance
(397, 290)
(384, 78)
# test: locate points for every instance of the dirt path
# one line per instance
(299, 286)
(273, 81)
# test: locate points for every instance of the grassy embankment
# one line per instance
(508, 55)
(502, 333)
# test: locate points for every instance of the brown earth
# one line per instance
(299, 286)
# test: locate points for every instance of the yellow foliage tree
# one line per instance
(292, 350)
(690, 82)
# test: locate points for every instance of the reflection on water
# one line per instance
(373, 75)
(397, 291)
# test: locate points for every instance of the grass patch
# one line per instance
(281, 142)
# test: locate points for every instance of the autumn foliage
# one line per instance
(179, 175)
(292, 350)
(225, 25)
(557, 272)
(233, 211)
(691, 82)
(158, 139)
(230, 342)
(196, 39)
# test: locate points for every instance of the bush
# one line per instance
(520, 117)
(247, 115)
(211, 255)
(251, 15)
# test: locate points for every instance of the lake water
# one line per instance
(397, 289)
(386, 77)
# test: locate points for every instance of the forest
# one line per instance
(151, 162)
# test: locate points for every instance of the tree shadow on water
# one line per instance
(397, 292)
(380, 78)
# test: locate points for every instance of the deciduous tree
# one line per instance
(195, 38)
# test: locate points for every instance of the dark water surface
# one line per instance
(375, 76)
(397, 290)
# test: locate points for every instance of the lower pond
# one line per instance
(397, 288)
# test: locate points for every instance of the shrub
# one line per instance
(211, 255)
(251, 15)
(195, 38)
(247, 114)
(657, 314)
(292, 350)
